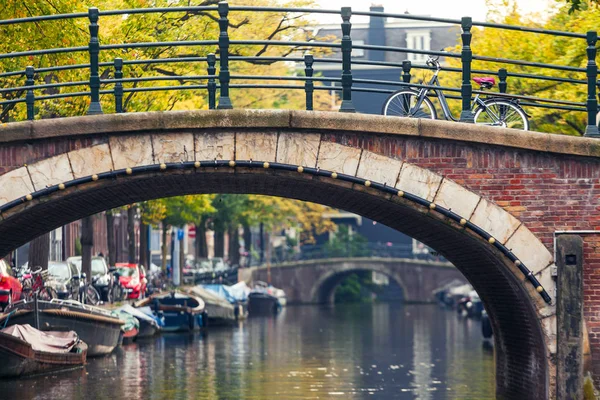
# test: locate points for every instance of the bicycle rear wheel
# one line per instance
(403, 104)
(92, 297)
(503, 114)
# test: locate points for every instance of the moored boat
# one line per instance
(265, 298)
(181, 312)
(149, 325)
(130, 328)
(25, 350)
(95, 326)
(237, 295)
(218, 310)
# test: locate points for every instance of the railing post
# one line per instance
(309, 85)
(94, 50)
(211, 60)
(502, 75)
(406, 67)
(224, 100)
(30, 97)
(591, 130)
(347, 105)
(466, 91)
(119, 85)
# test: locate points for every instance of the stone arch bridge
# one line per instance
(489, 200)
(315, 281)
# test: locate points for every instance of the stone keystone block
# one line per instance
(215, 145)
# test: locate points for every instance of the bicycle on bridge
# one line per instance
(493, 111)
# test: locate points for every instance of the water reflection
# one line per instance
(382, 351)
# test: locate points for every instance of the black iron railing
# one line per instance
(222, 80)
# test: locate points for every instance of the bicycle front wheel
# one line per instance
(404, 104)
(92, 297)
(502, 113)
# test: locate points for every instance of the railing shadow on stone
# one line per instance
(98, 86)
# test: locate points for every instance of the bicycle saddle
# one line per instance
(485, 82)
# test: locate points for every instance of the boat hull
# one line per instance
(262, 304)
(100, 333)
(130, 336)
(19, 359)
(147, 329)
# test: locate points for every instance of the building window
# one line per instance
(358, 52)
(418, 40)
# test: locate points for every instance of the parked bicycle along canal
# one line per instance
(363, 351)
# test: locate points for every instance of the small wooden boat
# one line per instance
(95, 326)
(262, 303)
(181, 312)
(218, 310)
(25, 350)
(148, 325)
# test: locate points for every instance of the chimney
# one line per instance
(376, 36)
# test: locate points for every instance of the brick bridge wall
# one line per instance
(546, 182)
(314, 281)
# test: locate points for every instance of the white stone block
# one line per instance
(15, 184)
(50, 172)
(494, 220)
(91, 160)
(173, 147)
(456, 198)
(256, 146)
(525, 245)
(378, 168)
(298, 148)
(215, 145)
(549, 328)
(338, 158)
(131, 151)
(418, 181)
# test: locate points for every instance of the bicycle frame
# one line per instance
(434, 81)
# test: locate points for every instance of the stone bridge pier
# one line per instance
(315, 281)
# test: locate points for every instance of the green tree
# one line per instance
(346, 244)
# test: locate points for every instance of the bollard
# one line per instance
(466, 90)
(30, 97)
(224, 100)
(347, 105)
(94, 50)
(211, 60)
(118, 85)
(591, 130)
(406, 67)
(309, 85)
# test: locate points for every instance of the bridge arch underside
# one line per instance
(324, 289)
(513, 304)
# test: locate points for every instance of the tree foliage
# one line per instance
(154, 27)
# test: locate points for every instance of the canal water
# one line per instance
(379, 351)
